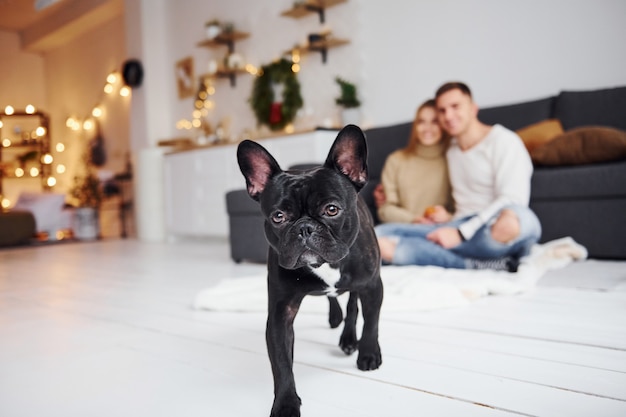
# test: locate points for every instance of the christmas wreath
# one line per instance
(270, 110)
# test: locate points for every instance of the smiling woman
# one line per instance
(406, 200)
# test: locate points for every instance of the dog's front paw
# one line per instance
(348, 342)
(286, 407)
(286, 412)
(369, 360)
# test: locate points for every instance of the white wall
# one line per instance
(507, 51)
(21, 75)
(75, 76)
(402, 50)
(270, 36)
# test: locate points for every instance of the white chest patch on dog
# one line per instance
(330, 276)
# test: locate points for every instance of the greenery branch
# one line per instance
(348, 97)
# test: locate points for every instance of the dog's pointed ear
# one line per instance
(348, 155)
(257, 166)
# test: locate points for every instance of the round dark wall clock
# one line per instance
(132, 72)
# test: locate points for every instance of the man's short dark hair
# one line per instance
(453, 85)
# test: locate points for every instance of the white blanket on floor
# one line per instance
(409, 288)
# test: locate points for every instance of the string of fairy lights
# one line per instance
(204, 103)
(113, 81)
(48, 167)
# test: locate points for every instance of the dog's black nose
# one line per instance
(306, 230)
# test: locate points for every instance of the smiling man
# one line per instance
(490, 171)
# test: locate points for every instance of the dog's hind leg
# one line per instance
(348, 342)
(335, 315)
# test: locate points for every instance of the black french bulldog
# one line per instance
(322, 242)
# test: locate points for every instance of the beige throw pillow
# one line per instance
(537, 134)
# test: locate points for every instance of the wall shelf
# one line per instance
(222, 39)
(229, 39)
(18, 130)
(320, 46)
(230, 73)
(311, 6)
(315, 6)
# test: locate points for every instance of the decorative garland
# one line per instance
(276, 115)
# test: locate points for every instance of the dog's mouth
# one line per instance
(312, 256)
(311, 259)
(294, 259)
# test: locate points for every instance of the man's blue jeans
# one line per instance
(413, 248)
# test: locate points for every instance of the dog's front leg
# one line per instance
(335, 315)
(280, 339)
(369, 350)
(348, 341)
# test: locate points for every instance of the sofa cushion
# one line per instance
(581, 182)
(516, 116)
(606, 107)
(537, 134)
(584, 145)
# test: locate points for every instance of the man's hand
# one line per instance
(447, 237)
(379, 196)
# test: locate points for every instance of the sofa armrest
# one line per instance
(16, 227)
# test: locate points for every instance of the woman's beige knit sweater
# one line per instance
(414, 182)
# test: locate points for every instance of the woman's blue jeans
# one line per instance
(413, 248)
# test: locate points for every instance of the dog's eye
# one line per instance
(331, 210)
(278, 217)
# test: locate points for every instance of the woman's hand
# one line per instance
(436, 214)
(379, 196)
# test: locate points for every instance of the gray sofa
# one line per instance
(587, 202)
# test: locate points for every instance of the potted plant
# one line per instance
(349, 101)
(87, 194)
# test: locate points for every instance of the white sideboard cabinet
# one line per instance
(196, 181)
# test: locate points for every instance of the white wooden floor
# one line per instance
(107, 329)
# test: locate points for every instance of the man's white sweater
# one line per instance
(490, 175)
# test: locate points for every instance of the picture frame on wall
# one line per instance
(185, 77)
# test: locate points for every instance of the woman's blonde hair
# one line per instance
(414, 142)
